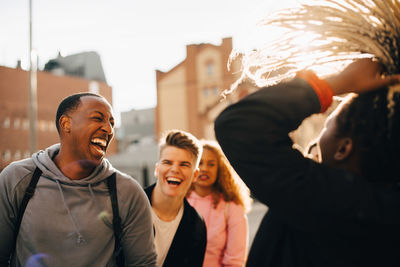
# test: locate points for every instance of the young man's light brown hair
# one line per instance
(183, 140)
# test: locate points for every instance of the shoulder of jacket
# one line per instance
(194, 217)
(126, 181)
(16, 177)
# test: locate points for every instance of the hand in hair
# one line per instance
(361, 76)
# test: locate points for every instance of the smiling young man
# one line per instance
(69, 220)
(180, 233)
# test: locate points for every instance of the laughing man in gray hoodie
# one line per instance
(68, 221)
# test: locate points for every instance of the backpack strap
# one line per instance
(118, 252)
(30, 190)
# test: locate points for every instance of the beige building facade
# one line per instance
(189, 95)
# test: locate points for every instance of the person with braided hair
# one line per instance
(345, 209)
(343, 212)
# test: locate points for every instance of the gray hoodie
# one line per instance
(68, 222)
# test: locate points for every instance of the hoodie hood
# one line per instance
(44, 161)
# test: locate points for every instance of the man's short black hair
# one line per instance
(69, 103)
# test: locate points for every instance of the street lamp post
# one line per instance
(32, 89)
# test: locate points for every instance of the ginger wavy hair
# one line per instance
(228, 184)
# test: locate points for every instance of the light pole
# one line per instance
(32, 89)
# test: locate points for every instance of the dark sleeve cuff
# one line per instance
(321, 88)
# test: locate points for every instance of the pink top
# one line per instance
(227, 231)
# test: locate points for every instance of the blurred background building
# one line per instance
(137, 147)
(189, 95)
(137, 126)
(85, 65)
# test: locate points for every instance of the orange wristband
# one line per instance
(321, 88)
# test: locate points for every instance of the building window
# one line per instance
(210, 69)
(6, 155)
(210, 91)
(206, 91)
(215, 90)
(43, 125)
(26, 154)
(25, 124)
(6, 122)
(17, 155)
(17, 123)
(51, 126)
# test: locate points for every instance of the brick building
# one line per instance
(189, 95)
(14, 118)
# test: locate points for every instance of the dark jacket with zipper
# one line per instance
(318, 216)
(189, 243)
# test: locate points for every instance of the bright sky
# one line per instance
(133, 38)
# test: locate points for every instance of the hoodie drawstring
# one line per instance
(103, 215)
(80, 237)
(93, 197)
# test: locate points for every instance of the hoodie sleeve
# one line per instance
(137, 225)
(13, 180)
(6, 225)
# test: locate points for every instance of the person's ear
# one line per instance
(195, 175)
(65, 123)
(344, 149)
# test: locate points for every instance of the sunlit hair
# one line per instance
(71, 103)
(183, 140)
(228, 183)
(324, 36)
(374, 126)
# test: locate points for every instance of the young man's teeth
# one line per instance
(174, 180)
(99, 141)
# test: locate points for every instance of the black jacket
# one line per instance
(190, 240)
(318, 216)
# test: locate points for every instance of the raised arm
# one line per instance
(254, 136)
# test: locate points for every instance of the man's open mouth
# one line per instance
(100, 144)
(174, 181)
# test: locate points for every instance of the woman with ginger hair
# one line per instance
(222, 199)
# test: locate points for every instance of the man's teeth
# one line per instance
(99, 141)
(174, 180)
